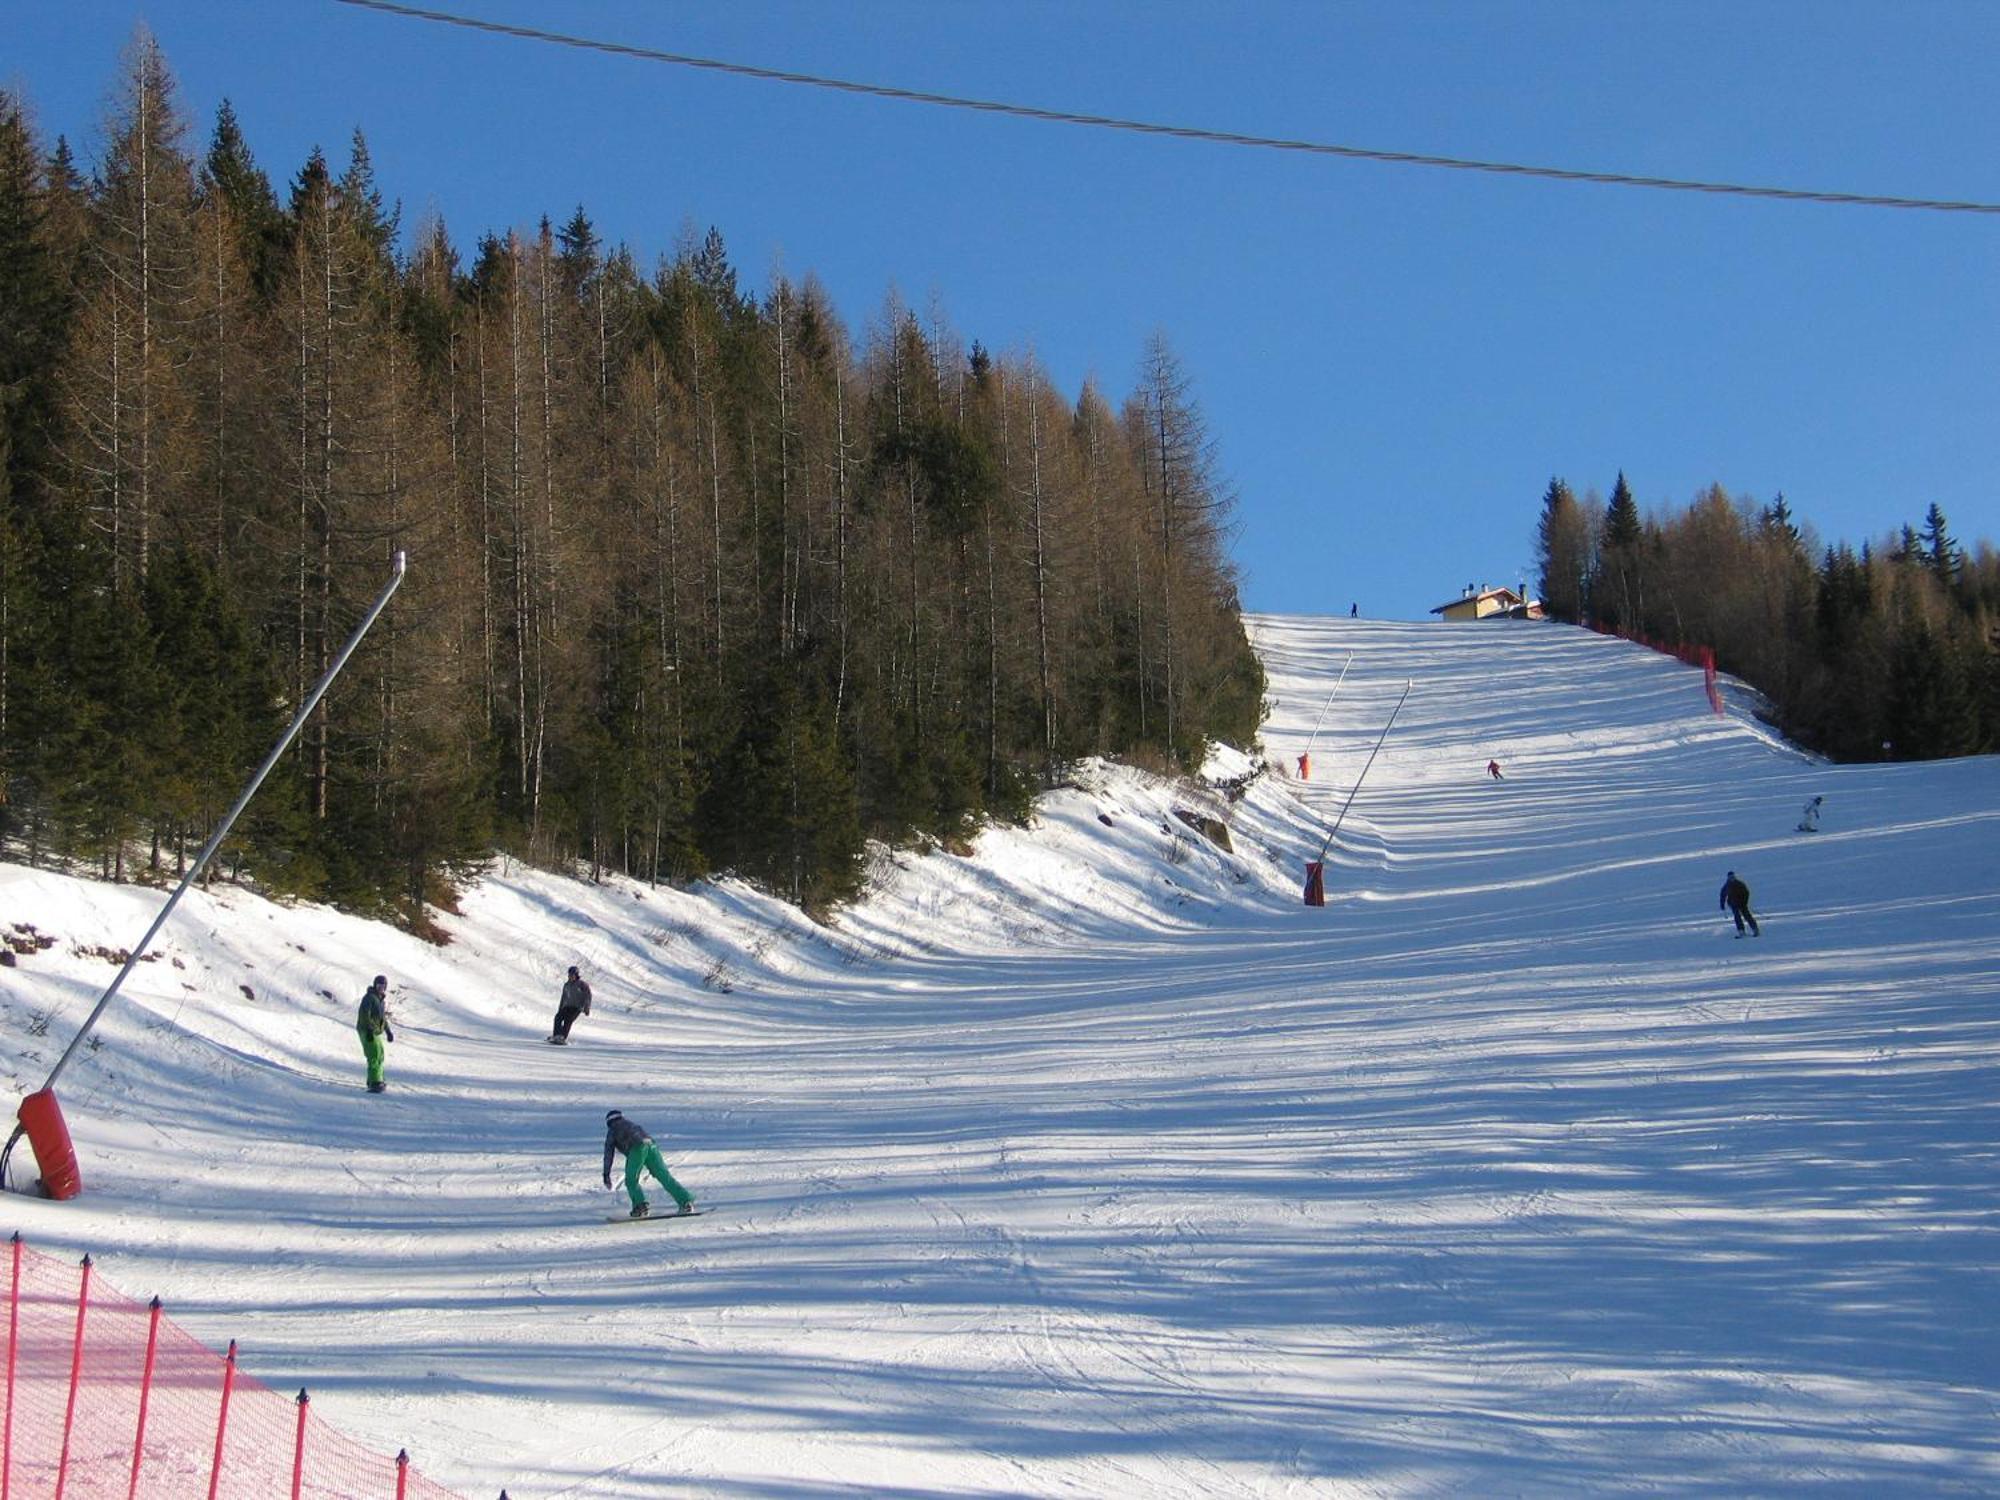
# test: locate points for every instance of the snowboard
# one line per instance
(558, 1041)
(656, 1217)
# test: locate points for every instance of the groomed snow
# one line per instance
(1095, 1163)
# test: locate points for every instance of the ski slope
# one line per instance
(1096, 1164)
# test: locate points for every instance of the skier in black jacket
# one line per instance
(629, 1136)
(1736, 896)
(575, 1002)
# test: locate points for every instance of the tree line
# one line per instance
(1888, 652)
(699, 580)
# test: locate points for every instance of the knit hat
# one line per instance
(612, 1114)
(381, 981)
(572, 971)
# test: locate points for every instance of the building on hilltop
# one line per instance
(1482, 603)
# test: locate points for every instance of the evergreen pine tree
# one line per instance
(363, 212)
(1940, 552)
(1621, 517)
(1562, 548)
(33, 303)
(1775, 521)
(1622, 600)
(1931, 709)
(715, 276)
(230, 173)
(115, 747)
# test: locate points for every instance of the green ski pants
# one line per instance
(648, 1158)
(372, 1049)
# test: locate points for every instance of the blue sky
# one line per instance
(1392, 360)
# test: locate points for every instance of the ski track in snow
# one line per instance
(1096, 1164)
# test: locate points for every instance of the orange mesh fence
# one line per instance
(106, 1399)
(1694, 656)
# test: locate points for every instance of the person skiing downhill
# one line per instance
(575, 1002)
(371, 1020)
(1809, 819)
(629, 1136)
(1493, 770)
(1736, 896)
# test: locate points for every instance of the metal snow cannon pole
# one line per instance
(1315, 894)
(41, 1118)
(1306, 757)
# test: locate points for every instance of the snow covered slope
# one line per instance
(1095, 1163)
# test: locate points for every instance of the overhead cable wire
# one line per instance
(1176, 132)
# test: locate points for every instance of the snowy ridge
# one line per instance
(1093, 1163)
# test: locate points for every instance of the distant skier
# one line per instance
(371, 1020)
(575, 1002)
(1354, 610)
(629, 1136)
(1493, 770)
(1809, 820)
(1736, 896)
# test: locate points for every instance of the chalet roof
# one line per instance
(1506, 596)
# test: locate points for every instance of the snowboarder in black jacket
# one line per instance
(1736, 896)
(575, 1002)
(371, 1020)
(629, 1136)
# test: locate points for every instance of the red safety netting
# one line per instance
(1694, 656)
(107, 1399)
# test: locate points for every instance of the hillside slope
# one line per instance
(1097, 1164)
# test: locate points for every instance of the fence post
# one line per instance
(299, 1447)
(145, 1395)
(75, 1377)
(13, 1351)
(222, 1419)
(402, 1472)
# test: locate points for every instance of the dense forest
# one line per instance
(699, 581)
(1892, 652)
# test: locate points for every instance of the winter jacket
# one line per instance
(1734, 893)
(622, 1135)
(372, 1019)
(575, 996)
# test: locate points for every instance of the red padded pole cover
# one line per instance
(42, 1118)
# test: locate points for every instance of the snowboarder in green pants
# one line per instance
(372, 1021)
(629, 1136)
